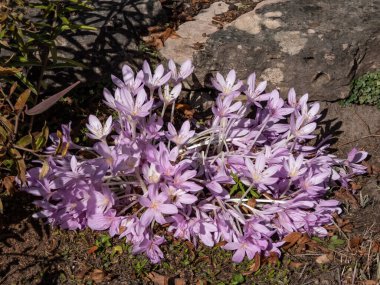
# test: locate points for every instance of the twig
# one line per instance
(340, 231)
(354, 273)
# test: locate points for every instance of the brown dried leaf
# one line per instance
(21, 101)
(158, 279)
(370, 282)
(221, 243)
(356, 186)
(190, 245)
(97, 275)
(252, 202)
(21, 167)
(291, 239)
(179, 281)
(256, 263)
(355, 242)
(304, 239)
(7, 71)
(155, 29)
(345, 196)
(272, 258)
(13, 88)
(324, 258)
(8, 184)
(92, 249)
(376, 247)
(8, 126)
(295, 265)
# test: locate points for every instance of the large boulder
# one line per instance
(316, 46)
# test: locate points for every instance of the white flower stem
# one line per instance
(257, 200)
(266, 120)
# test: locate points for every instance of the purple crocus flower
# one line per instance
(178, 196)
(97, 131)
(254, 94)
(157, 79)
(135, 108)
(227, 86)
(104, 221)
(294, 167)
(243, 247)
(156, 206)
(225, 108)
(169, 96)
(182, 136)
(185, 70)
(258, 173)
(151, 248)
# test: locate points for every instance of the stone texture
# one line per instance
(315, 46)
(192, 33)
(120, 24)
(353, 126)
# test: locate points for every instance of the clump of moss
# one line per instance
(365, 90)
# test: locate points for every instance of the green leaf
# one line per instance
(72, 62)
(237, 279)
(88, 28)
(25, 141)
(24, 80)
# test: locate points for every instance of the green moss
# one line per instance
(365, 90)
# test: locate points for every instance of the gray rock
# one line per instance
(352, 126)
(315, 46)
(192, 33)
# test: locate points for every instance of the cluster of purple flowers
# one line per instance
(142, 171)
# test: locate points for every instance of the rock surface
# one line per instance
(315, 46)
(193, 33)
(354, 126)
(120, 24)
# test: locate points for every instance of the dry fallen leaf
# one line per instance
(6, 71)
(345, 196)
(256, 264)
(291, 239)
(272, 258)
(221, 243)
(356, 186)
(8, 184)
(179, 281)
(158, 279)
(324, 258)
(376, 247)
(97, 275)
(370, 282)
(92, 249)
(295, 265)
(355, 242)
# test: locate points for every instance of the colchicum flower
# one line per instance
(247, 176)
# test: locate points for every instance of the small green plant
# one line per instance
(28, 49)
(365, 90)
(237, 279)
